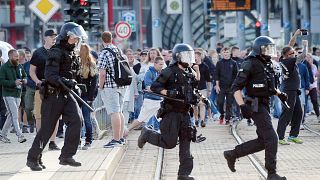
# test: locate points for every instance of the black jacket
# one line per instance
(226, 72)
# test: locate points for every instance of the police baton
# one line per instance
(285, 104)
(76, 95)
(166, 97)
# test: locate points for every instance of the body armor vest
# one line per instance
(262, 79)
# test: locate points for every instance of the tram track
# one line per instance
(310, 129)
(255, 162)
(253, 159)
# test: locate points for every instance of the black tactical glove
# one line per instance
(69, 82)
(283, 96)
(172, 93)
(246, 111)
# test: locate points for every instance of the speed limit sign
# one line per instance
(123, 30)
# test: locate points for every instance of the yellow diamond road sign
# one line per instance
(44, 9)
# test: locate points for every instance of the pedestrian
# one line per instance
(88, 75)
(111, 93)
(204, 86)
(151, 103)
(62, 67)
(223, 84)
(291, 86)
(3, 109)
(254, 72)
(176, 120)
(36, 71)
(12, 77)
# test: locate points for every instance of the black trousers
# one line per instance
(52, 107)
(314, 100)
(267, 139)
(293, 115)
(172, 126)
(228, 95)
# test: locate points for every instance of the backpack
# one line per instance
(122, 72)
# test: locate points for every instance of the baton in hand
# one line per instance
(285, 104)
(76, 95)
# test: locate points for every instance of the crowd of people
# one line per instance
(134, 106)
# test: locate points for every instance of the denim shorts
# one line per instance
(113, 99)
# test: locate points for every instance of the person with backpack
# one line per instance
(112, 88)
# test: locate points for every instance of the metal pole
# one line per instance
(156, 23)
(286, 21)
(141, 24)
(241, 30)
(186, 18)
(264, 18)
(136, 7)
(29, 36)
(215, 30)
(294, 15)
(105, 13)
(305, 23)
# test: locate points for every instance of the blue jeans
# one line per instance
(87, 121)
(137, 105)
(277, 108)
(212, 99)
(154, 123)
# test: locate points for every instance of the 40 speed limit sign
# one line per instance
(123, 30)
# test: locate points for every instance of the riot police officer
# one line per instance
(174, 82)
(61, 67)
(257, 76)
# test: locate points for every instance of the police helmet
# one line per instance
(263, 45)
(72, 29)
(183, 53)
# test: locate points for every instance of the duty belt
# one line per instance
(172, 108)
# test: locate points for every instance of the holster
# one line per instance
(193, 134)
(43, 90)
(188, 133)
(253, 102)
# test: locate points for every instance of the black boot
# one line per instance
(143, 137)
(185, 177)
(275, 176)
(231, 159)
(203, 124)
(53, 146)
(40, 161)
(69, 161)
(34, 166)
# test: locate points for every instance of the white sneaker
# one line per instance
(22, 139)
(301, 127)
(4, 139)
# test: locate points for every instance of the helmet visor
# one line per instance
(187, 57)
(269, 50)
(78, 32)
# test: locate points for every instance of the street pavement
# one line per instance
(295, 161)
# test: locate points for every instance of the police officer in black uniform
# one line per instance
(257, 76)
(177, 81)
(62, 66)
